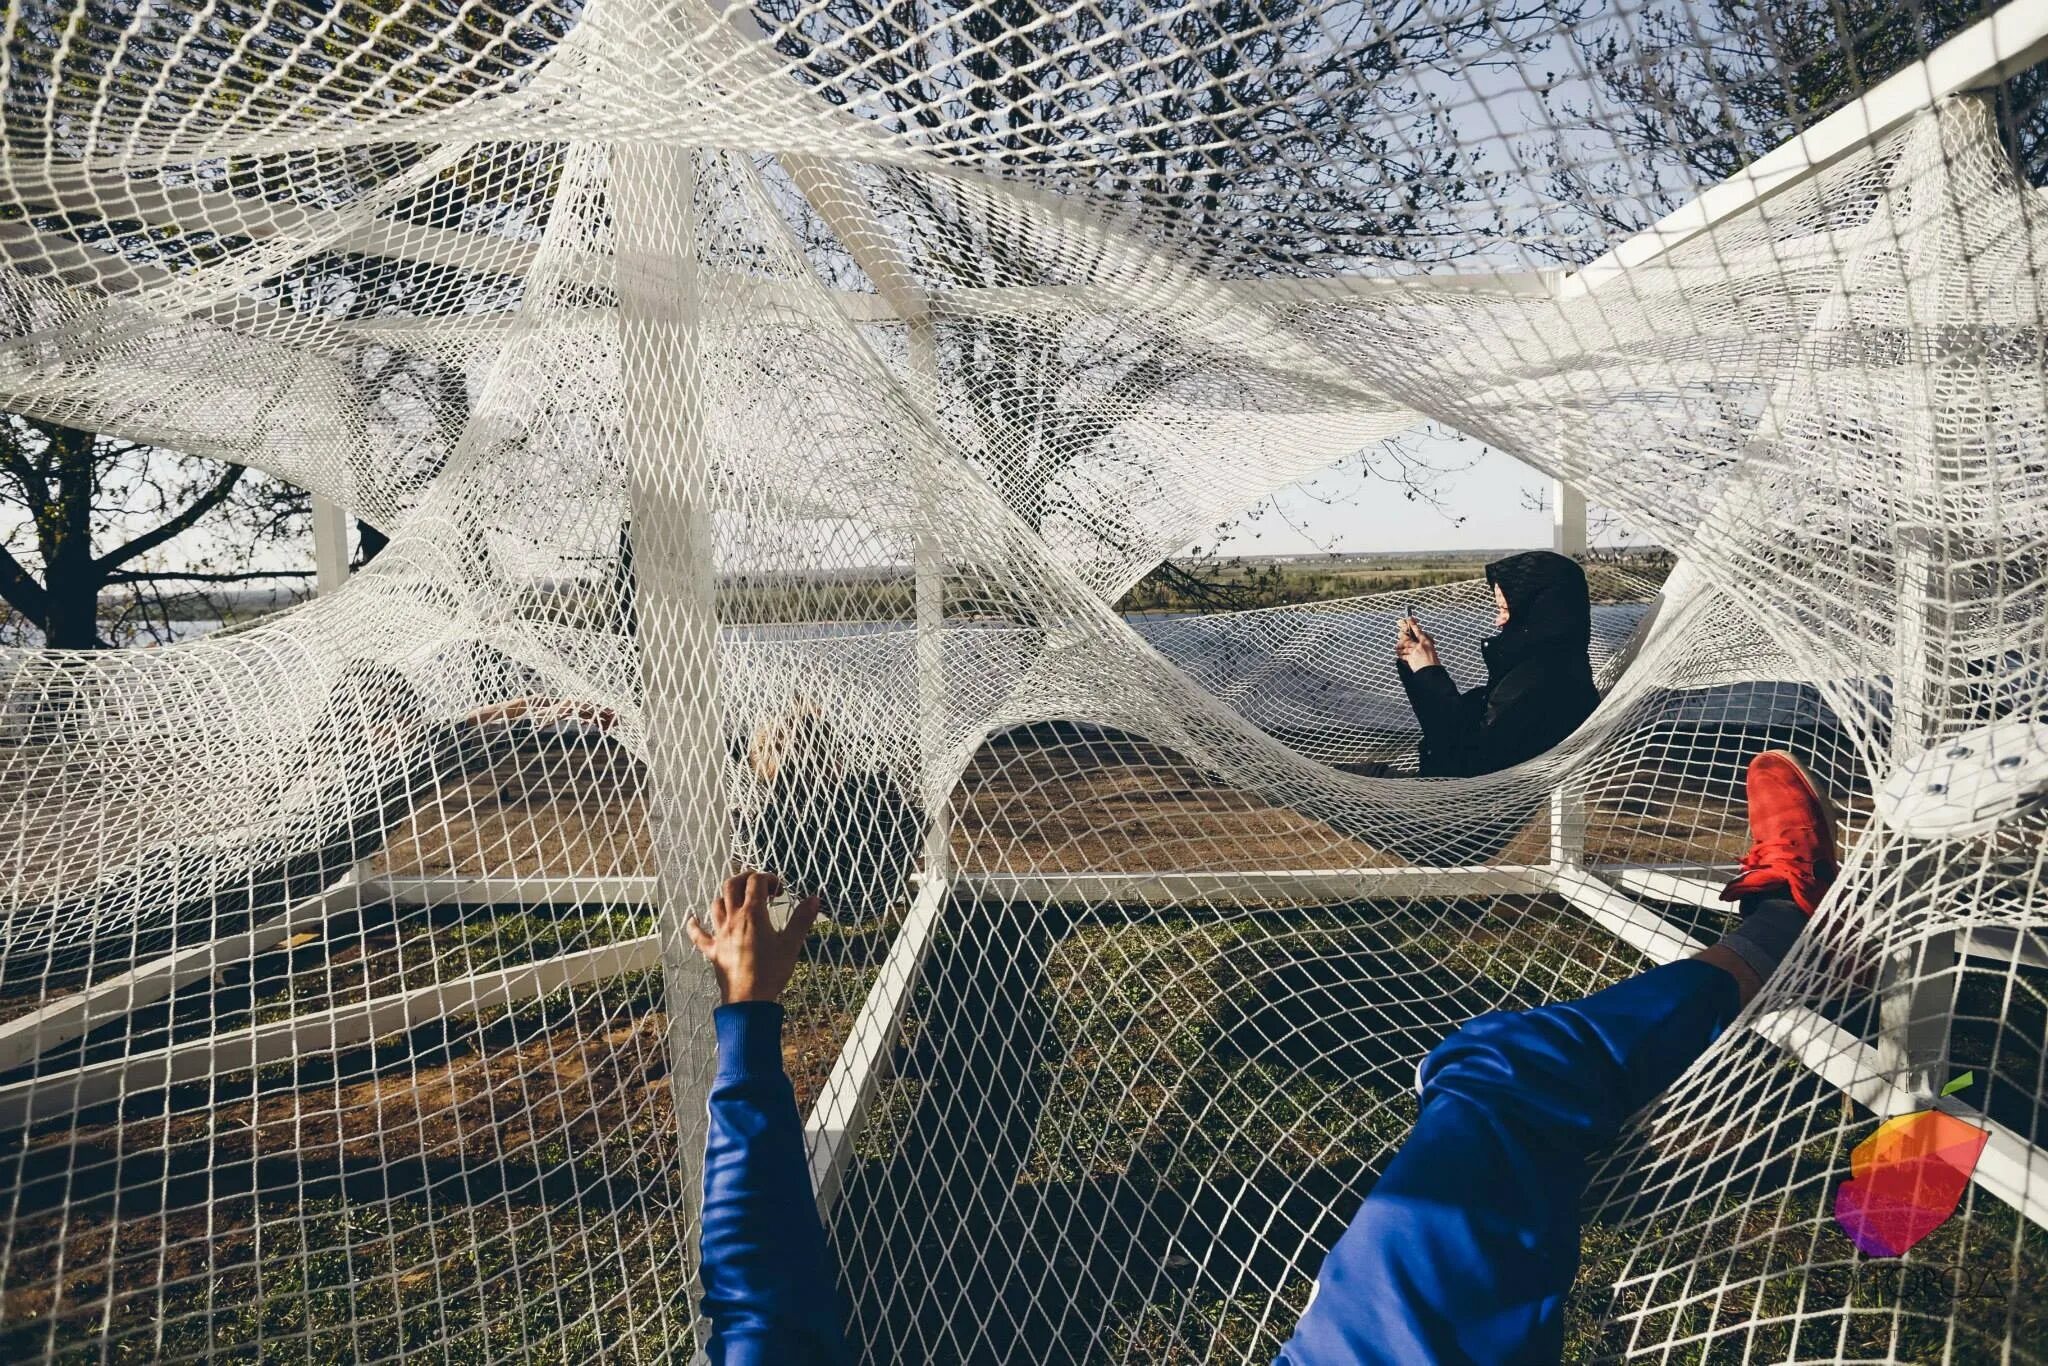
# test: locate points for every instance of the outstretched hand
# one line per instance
(752, 958)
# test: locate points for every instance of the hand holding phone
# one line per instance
(1414, 647)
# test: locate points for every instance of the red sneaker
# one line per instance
(1792, 835)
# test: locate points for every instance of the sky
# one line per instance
(1344, 510)
(1483, 495)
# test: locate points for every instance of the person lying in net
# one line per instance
(1539, 682)
(811, 789)
(372, 753)
(1465, 1248)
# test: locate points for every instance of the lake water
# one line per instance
(1323, 676)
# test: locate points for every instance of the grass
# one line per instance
(500, 1184)
(1200, 1102)
(1207, 1100)
(1121, 1136)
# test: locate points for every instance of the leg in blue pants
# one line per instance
(1465, 1249)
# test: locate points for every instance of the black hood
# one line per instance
(1548, 609)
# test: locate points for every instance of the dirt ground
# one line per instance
(555, 1105)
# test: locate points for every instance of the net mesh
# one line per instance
(768, 408)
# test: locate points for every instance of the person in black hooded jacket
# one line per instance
(1539, 686)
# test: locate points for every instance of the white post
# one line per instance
(846, 212)
(1567, 804)
(330, 566)
(863, 1062)
(931, 633)
(1567, 518)
(670, 495)
(330, 544)
(1917, 982)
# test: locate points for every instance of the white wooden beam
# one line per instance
(1627, 919)
(670, 494)
(1292, 887)
(2011, 1168)
(841, 1110)
(81, 1012)
(544, 889)
(1567, 518)
(321, 1031)
(330, 544)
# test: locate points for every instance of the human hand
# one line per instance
(1415, 647)
(752, 958)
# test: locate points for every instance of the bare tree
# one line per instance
(1685, 93)
(95, 506)
(92, 512)
(1252, 138)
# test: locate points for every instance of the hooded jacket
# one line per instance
(1539, 683)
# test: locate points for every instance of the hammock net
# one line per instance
(767, 408)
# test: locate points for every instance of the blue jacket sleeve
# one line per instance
(769, 1291)
(1466, 1247)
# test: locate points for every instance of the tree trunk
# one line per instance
(71, 581)
(71, 613)
(369, 541)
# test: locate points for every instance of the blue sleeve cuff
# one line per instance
(749, 1039)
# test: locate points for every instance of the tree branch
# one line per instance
(21, 591)
(150, 540)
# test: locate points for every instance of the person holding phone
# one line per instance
(1539, 679)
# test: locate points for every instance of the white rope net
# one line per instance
(767, 408)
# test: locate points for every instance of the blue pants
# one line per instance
(1465, 1249)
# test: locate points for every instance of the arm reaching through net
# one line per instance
(1465, 1249)
(769, 1289)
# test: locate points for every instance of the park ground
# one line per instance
(1163, 1112)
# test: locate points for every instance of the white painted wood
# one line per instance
(1290, 887)
(322, 1031)
(330, 544)
(2010, 1167)
(544, 890)
(1624, 917)
(1567, 518)
(67, 1017)
(847, 212)
(670, 502)
(1676, 888)
(841, 1111)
